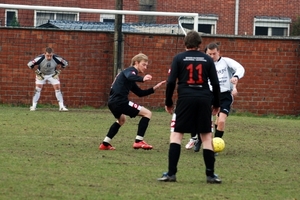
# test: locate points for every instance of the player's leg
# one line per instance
(139, 142)
(206, 135)
(226, 102)
(182, 121)
(37, 93)
(209, 158)
(113, 130)
(221, 125)
(56, 86)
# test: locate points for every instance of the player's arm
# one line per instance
(141, 93)
(35, 62)
(236, 67)
(60, 61)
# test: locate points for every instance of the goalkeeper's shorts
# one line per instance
(47, 79)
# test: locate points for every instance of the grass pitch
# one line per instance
(53, 155)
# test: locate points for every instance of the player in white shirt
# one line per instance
(229, 72)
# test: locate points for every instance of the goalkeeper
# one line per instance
(47, 71)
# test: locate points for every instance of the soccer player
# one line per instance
(191, 70)
(49, 66)
(120, 105)
(229, 72)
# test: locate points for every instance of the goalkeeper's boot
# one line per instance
(213, 179)
(63, 109)
(103, 147)
(166, 178)
(191, 143)
(142, 145)
(32, 108)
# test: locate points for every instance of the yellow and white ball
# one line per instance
(218, 144)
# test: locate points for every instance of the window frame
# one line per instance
(55, 13)
(103, 17)
(209, 19)
(272, 22)
(10, 10)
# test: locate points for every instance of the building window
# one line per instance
(42, 17)
(272, 26)
(109, 18)
(206, 23)
(11, 18)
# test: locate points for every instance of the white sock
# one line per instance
(36, 96)
(107, 139)
(59, 98)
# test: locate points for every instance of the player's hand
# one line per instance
(234, 92)
(148, 77)
(215, 110)
(169, 109)
(55, 75)
(39, 74)
(234, 80)
(158, 84)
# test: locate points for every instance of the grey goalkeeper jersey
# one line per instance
(47, 67)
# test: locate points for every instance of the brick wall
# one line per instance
(270, 86)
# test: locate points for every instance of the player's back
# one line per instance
(192, 69)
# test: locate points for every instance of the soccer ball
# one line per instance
(218, 144)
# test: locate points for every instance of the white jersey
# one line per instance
(226, 69)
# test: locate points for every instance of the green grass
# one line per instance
(52, 155)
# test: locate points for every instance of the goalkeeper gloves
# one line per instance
(55, 75)
(39, 74)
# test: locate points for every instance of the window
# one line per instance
(206, 23)
(271, 26)
(11, 18)
(42, 17)
(109, 18)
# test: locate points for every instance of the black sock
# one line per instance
(193, 135)
(219, 133)
(142, 127)
(209, 160)
(174, 154)
(113, 130)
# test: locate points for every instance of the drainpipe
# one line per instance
(236, 18)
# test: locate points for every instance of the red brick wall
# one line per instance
(270, 86)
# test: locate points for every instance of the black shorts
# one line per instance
(130, 109)
(226, 102)
(192, 115)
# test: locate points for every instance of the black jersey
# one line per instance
(192, 70)
(125, 82)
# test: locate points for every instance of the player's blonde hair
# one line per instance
(138, 58)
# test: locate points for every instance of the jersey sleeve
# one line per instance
(215, 85)
(236, 67)
(35, 61)
(131, 75)
(59, 60)
(139, 92)
(171, 83)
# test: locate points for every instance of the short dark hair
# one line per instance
(212, 46)
(49, 50)
(192, 40)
